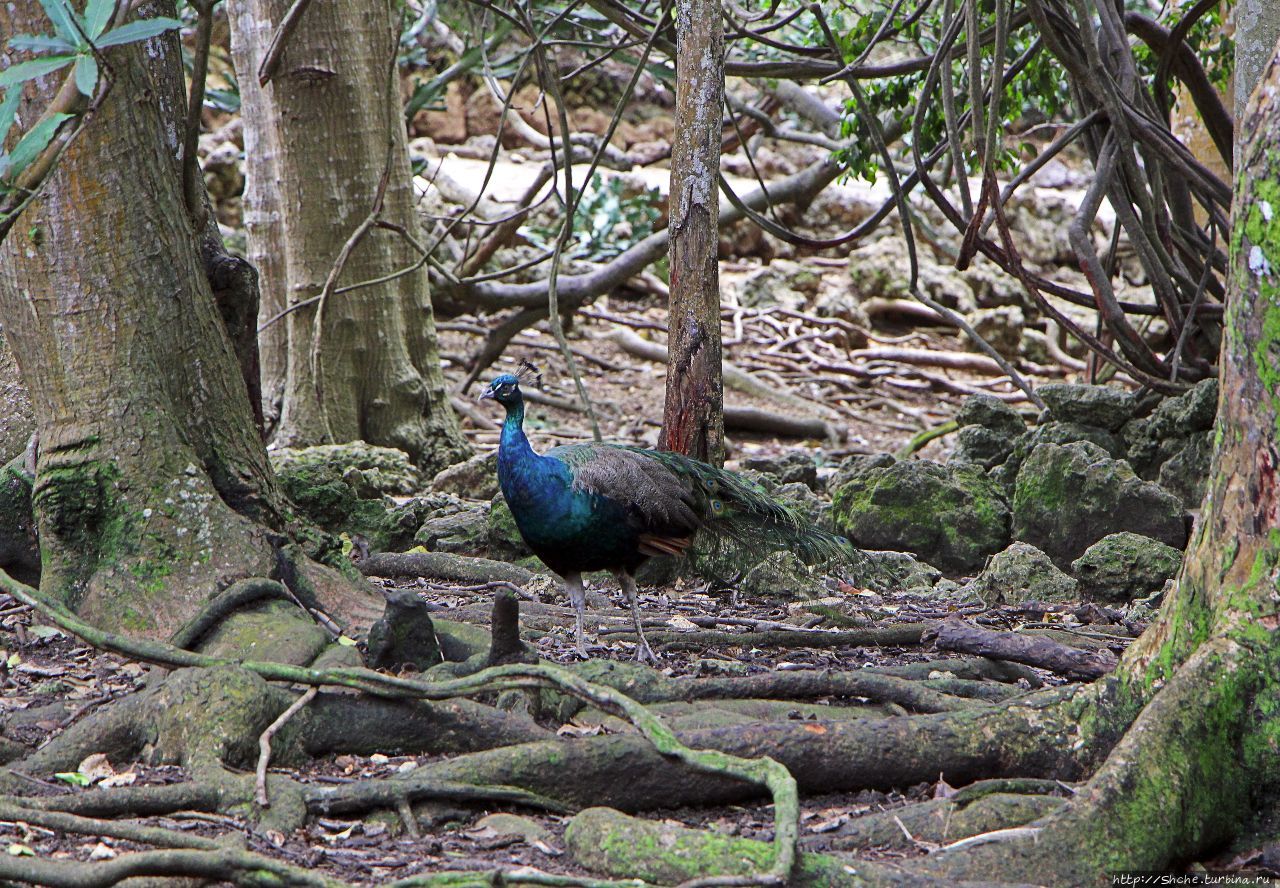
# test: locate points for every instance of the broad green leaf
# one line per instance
(30, 145)
(96, 16)
(40, 630)
(139, 30)
(35, 68)
(75, 778)
(17, 849)
(41, 43)
(346, 642)
(86, 74)
(8, 110)
(63, 19)
(13, 661)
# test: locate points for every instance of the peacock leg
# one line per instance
(643, 651)
(578, 598)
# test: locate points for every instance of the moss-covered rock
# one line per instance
(1054, 432)
(903, 572)
(383, 470)
(853, 466)
(1091, 405)
(1067, 497)
(1153, 440)
(475, 478)
(1186, 473)
(991, 413)
(454, 525)
(503, 538)
(1124, 566)
(333, 500)
(951, 516)
(988, 429)
(781, 575)
(404, 635)
(1022, 573)
(981, 446)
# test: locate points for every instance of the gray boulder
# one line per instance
(1186, 473)
(1093, 405)
(475, 478)
(991, 413)
(1067, 497)
(1054, 432)
(988, 429)
(785, 468)
(1122, 567)
(951, 516)
(1155, 439)
(1022, 573)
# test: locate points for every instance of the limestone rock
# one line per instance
(785, 468)
(950, 516)
(383, 469)
(1091, 405)
(1022, 573)
(475, 478)
(1069, 496)
(1122, 567)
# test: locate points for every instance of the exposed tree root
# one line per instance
(608, 841)
(443, 566)
(648, 686)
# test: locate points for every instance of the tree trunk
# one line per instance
(320, 136)
(152, 489)
(1198, 692)
(1257, 29)
(693, 417)
(16, 421)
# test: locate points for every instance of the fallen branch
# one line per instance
(956, 635)
(264, 744)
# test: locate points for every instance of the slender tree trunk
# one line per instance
(321, 135)
(693, 417)
(152, 488)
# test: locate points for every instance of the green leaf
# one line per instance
(75, 778)
(86, 75)
(97, 14)
(35, 68)
(42, 631)
(8, 110)
(140, 30)
(63, 19)
(346, 642)
(41, 43)
(30, 145)
(17, 849)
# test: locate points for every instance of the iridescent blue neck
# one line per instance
(513, 441)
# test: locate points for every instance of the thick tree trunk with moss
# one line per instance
(321, 135)
(152, 489)
(693, 417)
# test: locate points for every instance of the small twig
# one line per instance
(279, 40)
(264, 743)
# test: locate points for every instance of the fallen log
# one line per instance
(966, 638)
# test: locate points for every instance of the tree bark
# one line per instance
(152, 488)
(693, 420)
(320, 136)
(1257, 29)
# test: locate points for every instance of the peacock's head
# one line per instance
(504, 389)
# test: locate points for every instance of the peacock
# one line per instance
(594, 506)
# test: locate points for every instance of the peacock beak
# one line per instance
(486, 395)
